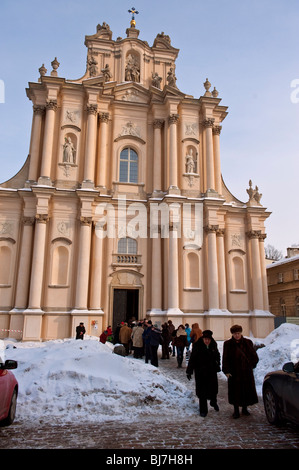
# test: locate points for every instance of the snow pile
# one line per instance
(73, 379)
(69, 380)
(281, 346)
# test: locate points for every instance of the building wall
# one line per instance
(283, 287)
(57, 267)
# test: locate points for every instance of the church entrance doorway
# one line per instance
(125, 305)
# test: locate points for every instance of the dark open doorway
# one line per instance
(125, 305)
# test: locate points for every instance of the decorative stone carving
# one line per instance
(171, 78)
(39, 110)
(63, 228)
(92, 66)
(130, 129)
(156, 80)
(104, 117)
(207, 86)
(253, 234)
(69, 151)
(92, 109)
(72, 116)
(217, 130)
(158, 123)
(28, 221)
(190, 162)
(254, 195)
(173, 119)
(131, 95)
(42, 70)
(107, 74)
(132, 71)
(191, 129)
(85, 220)
(211, 228)
(42, 218)
(52, 105)
(55, 64)
(6, 228)
(208, 122)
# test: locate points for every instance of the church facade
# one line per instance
(120, 210)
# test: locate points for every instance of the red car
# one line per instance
(8, 392)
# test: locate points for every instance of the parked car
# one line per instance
(281, 394)
(8, 392)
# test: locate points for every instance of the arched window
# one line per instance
(128, 166)
(127, 246)
(60, 265)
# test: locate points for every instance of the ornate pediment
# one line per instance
(132, 93)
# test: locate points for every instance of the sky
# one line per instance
(249, 50)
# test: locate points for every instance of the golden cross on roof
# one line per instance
(133, 12)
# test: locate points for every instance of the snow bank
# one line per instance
(70, 380)
(281, 346)
(73, 379)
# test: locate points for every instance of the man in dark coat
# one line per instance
(239, 360)
(205, 361)
(80, 331)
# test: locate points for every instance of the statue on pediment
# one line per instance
(92, 66)
(156, 80)
(171, 78)
(106, 72)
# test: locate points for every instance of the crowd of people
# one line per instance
(143, 338)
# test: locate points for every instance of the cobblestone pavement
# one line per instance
(216, 431)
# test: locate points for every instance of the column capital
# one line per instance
(42, 218)
(220, 232)
(217, 130)
(262, 237)
(104, 117)
(253, 234)
(208, 122)
(85, 220)
(173, 119)
(211, 228)
(158, 123)
(28, 221)
(51, 105)
(39, 110)
(92, 109)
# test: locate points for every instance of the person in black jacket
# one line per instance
(238, 361)
(205, 361)
(80, 331)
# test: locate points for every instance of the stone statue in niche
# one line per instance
(132, 72)
(106, 72)
(92, 67)
(69, 151)
(190, 162)
(156, 80)
(171, 78)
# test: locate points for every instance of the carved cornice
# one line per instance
(208, 122)
(217, 130)
(173, 119)
(51, 105)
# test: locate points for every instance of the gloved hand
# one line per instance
(189, 376)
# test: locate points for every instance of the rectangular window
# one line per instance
(296, 274)
(280, 277)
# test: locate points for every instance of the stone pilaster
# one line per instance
(173, 157)
(38, 114)
(157, 160)
(209, 156)
(213, 291)
(221, 269)
(90, 146)
(216, 145)
(47, 154)
(102, 156)
(22, 289)
(38, 260)
(256, 274)
(83, 263)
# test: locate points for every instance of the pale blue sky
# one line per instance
(249, 50)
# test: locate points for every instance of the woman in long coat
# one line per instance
(205, 361)
(239, 360)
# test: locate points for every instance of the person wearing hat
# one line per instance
(239, 360)
(80, 331)
(205, 362)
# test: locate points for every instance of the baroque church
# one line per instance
(79, 239)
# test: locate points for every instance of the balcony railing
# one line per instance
(131, 260)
